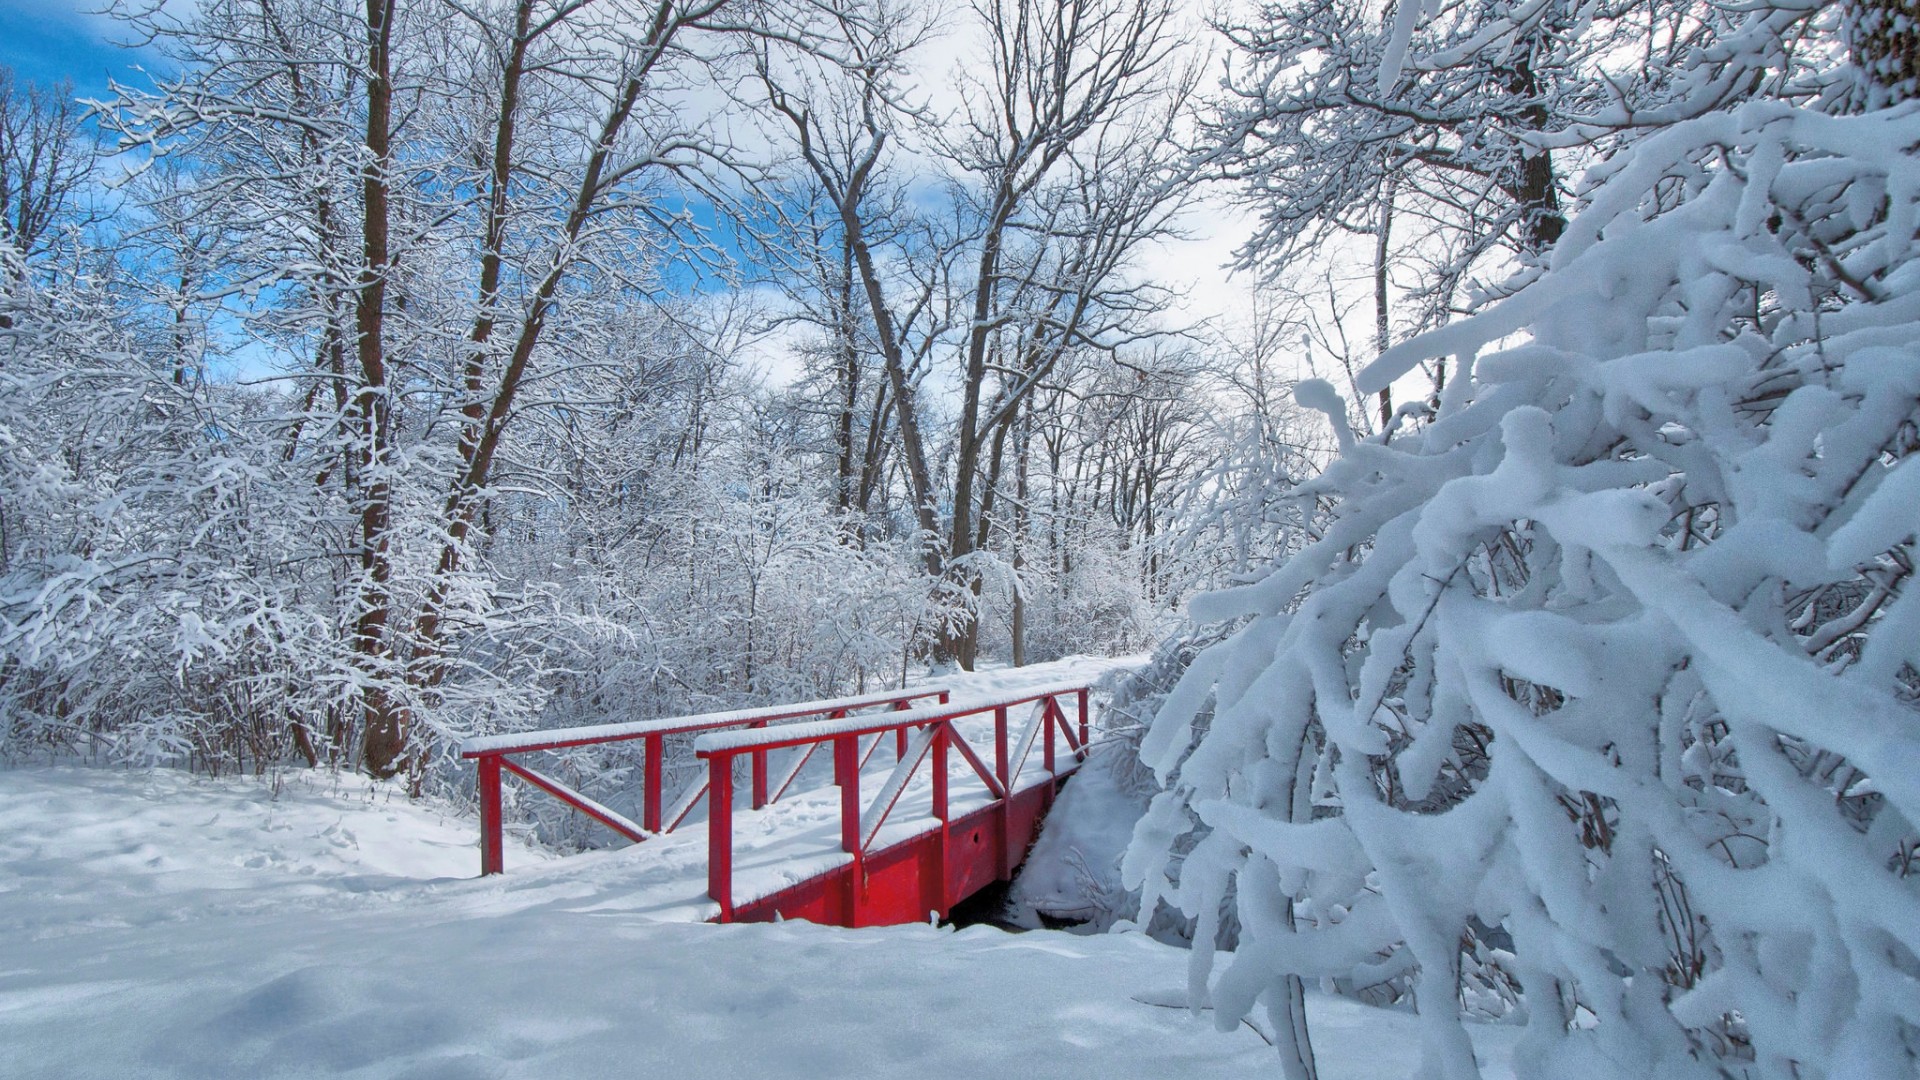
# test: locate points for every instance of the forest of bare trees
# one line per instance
(397, 372)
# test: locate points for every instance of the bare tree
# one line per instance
(1327, 125)
(843, 128)
(534, 124)
(1060, 168)
(46, 160)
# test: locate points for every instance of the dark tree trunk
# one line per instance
(1534, 184)
(384, 738)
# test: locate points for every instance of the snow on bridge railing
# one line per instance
(494, 752)
(933, 735)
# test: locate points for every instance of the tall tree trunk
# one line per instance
(385, 735)
(473, 411)
(906, 418)
(874, 458)
(1021, 492)
(961, 640)
(1535, 186)
(845, 183)
(464, 495)
(490, 405)
(848, 372)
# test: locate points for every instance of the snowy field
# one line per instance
(163, 925)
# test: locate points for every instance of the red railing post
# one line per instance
(839, 776)
(1085, 747)
(652, 759)
(720, 833)
(759, 771)
(900, 736)
(1049, 710)
(491, 855)
(846, 772)
(1000, 749)
(943, 730)
(1003, 859)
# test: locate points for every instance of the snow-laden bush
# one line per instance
(1616, 656)
(150, 573)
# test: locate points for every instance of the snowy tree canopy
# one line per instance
(1600, 685)
(437, 368)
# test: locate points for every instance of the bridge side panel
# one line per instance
(902, 882)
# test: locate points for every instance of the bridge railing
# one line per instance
(495, 756)
(921, 735)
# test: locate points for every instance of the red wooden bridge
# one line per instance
(956, 812)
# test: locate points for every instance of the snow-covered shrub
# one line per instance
(150, 569)
(1616, 656)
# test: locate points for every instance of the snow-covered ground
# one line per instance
(163, 925)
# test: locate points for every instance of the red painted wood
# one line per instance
(846, 772)
(653, 757)
(936, 888)
(720, 833)
(491, 760)
(760, 772)
(565, 794)
(793, 772)
(889, 797)
(1074, 742)
(941, 737)
(606, 733)
(684, 806)
(1002, 868)
(873, 744)
(994, 787)
(921, 876)
(927, 873)
(891, 887)
(1000, 747)
(1048, 713)
(492, 859)
(777, 738)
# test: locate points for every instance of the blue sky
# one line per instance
(45, 41)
